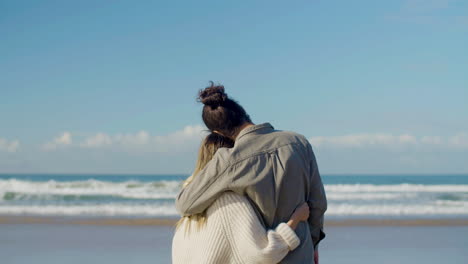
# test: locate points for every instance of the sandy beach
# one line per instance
(105, 240)
(117, 219)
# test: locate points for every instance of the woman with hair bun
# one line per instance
(229, 231)
(275, 170)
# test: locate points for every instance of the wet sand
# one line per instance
(42, 240)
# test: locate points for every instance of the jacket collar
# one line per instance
(254, 128)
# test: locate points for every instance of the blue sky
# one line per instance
(110, 87)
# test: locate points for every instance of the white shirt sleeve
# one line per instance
(248, 238)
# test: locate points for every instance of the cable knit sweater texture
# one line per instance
(232, 234)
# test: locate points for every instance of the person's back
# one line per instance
(276, 170)
(231, 234)
(277, 166)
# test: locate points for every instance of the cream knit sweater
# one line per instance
(232, 234)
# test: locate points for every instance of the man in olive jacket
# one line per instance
(277, 171)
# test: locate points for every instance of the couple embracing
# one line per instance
(255, 196)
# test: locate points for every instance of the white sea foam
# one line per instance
(137, 189)
(127, 189)
(397, 210)
(459, 208)
(342, 196)
(93, 197)
(91, 210)
(395, 188)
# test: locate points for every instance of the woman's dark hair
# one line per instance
(220, 112)
(217, 141)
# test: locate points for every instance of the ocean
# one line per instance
(349, 196)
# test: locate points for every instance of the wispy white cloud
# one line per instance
(460, 140)
(432, 140)
(9, 146)
(361, 140)
(385, 140)
(177, 139)
(65, 139)
(175, 152)
(144, 141)
(96, 141)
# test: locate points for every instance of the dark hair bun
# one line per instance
(213, 95)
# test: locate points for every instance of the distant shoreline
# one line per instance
(410, 174)
(108, 221)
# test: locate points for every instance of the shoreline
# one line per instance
(108, 221)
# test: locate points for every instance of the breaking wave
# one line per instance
(156, 198)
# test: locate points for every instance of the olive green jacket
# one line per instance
(276, 171)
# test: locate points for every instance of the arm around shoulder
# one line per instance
(205, 187)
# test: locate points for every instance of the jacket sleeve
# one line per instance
(317, 201)
(205, 187)
(248, 238)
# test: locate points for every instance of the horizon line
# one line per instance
(187, 174)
